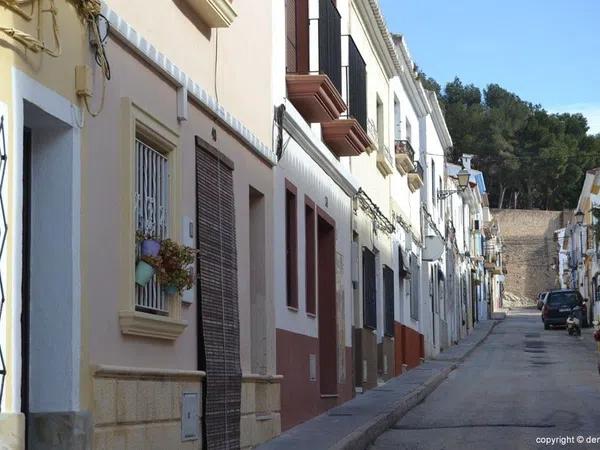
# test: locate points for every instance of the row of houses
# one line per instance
(578, 244)
(293, 145)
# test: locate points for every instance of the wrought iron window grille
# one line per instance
(380, 221)
(3, 233)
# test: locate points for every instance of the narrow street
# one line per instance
(522, 383)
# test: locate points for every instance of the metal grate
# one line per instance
(151, 212)
(3, 232)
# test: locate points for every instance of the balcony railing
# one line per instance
(403, 146)
(419, 170)
(385, 160)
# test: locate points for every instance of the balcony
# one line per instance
(345, 137)
(214, 13)
(313, 52)
(405, 156)
(385, 161)
(315, 97)
(415, 177)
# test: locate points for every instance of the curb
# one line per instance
(366, 434)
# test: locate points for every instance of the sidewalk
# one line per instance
(358, 422)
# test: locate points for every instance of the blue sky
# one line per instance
(545, 51)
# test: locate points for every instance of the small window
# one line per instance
(291, 246)
(433, 194)
(408, 131)
(152, 215)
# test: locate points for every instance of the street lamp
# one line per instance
(463, 181)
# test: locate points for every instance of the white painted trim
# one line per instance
(379, 35)
(125, 33)
(294, 124)
(26, 88)
(438, 121)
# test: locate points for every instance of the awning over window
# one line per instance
(403, 263)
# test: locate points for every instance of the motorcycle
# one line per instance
(574, 321)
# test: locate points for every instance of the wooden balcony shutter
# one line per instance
(290, 36)
(218, 328)
(369, 290)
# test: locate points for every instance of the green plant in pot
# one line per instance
(175, 272)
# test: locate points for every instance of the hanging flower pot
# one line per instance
(143, 273)
(170, 289)
(150, 247)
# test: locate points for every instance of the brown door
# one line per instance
(327, 307)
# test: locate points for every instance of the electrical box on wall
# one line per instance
(188, 238)
(83, 80)
(190, 418)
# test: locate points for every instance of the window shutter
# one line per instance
(290, 32)
(369, 290)
(219, 344)
(388, 288)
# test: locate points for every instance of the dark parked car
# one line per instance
(558, 305)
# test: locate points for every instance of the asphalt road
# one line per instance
(523, 384)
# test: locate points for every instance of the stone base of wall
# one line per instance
(261, 405)
(60, 430)
(385, 358)
(141, 408)
(12, 431)
(365, 356)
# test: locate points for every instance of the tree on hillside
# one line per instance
(531, 159)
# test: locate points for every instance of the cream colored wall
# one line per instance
(150, 92)
(244, 50)
(58, 74)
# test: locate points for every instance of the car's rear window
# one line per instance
(563, 298)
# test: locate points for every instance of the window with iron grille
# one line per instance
(388, 292)
(151, 214)
(414, 288)
(369, 290)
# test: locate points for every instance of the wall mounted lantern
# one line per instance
(463, 181)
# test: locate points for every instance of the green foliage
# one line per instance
(531, 158)
(175, 267)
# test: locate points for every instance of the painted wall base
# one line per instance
(141, 408)
(385, 358)
(261, 405)
(365, 358)
(12, 431)
(301, 397)
(60, 430)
